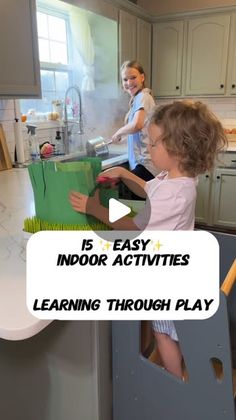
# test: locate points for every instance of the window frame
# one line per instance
(58, 67)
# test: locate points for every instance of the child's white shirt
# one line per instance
(170, 204)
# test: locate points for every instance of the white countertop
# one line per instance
(16, 202)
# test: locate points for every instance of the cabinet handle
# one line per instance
(207, 176)
(218, 177)
(177, 87)
(221, 86)
(233, 86)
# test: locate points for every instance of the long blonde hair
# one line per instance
(134, 64)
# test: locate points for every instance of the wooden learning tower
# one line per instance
(142, 389)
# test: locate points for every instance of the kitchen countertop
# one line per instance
(17, 203)
(118, 150)
(115, 161)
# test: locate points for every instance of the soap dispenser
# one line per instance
(59, 147)
(33, 142)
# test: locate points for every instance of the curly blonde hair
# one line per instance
(191, 132)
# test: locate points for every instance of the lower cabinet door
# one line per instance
(224, 200)
(202, 211)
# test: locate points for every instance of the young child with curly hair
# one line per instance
(184, 140)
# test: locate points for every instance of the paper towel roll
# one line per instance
(20, 154)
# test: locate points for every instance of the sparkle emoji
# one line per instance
(105, 245)
(157, 245)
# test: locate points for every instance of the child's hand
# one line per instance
(106, 181)
(113, 173)
(84, 204)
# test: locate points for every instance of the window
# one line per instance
(76, 47)
(55, 58)
(52, 37)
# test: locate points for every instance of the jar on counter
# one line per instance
(57, 106)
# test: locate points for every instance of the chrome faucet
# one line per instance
(67, 132)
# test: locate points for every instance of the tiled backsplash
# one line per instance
(223, 108)
(103, 119)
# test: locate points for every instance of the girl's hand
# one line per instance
(84, 204)
(116, 138)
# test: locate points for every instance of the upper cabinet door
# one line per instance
(231, 80)
(207, 55)
(19, 68)
(135, 37)
(144, 39)
(167, 55)
(127, 37)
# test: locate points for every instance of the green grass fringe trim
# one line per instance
(33, 225)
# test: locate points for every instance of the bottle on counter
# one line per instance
(33, 142)
(59, 147)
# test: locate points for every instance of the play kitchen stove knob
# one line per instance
(98, 147)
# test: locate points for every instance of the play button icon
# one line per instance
(118, 205)
(117, 210)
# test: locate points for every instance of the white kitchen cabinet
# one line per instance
(167, 58)
(231, 79)
(207, 51)
(194, 56)
(203, 198)
(216, 194)
(62, 373)
(127, 36)
(135, 41)
(224, 200)
(144, 37)
(19, 68)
